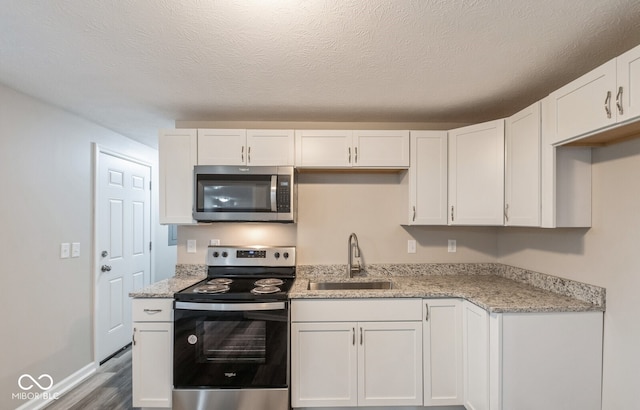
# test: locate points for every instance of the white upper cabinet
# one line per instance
(245, 147)
(177, 154)
(628, 92)
(476, 174)
(606, 96)
(522, 167)
(428, 178)
(351, 149)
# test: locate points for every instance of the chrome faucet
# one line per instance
(353, 243)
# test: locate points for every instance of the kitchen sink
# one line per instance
(381, 285)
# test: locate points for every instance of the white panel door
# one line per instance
(270, 148)
(442, 341)
(381, 149)
(522, 167)
(628, 91)
(390, 364)
(323, 364)
(222, 147)
(123, 241)
(476, 174)
(428, 178)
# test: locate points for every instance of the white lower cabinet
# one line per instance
(152, 352)
(442, 351)
(347, 353)
(550, 361)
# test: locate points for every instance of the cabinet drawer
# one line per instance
(153, 310)
(346, 310)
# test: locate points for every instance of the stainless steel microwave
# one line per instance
(244, 194)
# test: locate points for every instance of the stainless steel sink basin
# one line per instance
(350, 285)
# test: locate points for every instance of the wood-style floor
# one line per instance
(108, 389)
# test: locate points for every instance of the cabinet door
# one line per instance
(323, 149)
(442, 341)
(584, 105)
(522, 168)
(152, 361)
(428, 178)
(476, 174)
(381, 149)
(390, 364)
(177, 154)
(270, 147)
(323, 364)
(222, 147)
(628, 91)
(475, 342)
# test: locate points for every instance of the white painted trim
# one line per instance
(97, 150)
(60, 388)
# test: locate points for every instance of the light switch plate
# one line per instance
(451, 247)
(75, 250)
(191, 246)
(65, 250)
(411, 246)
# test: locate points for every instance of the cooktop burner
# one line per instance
(244, 274)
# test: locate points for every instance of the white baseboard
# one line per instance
(60, 388)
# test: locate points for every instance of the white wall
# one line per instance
(606, 255)
(46, 190)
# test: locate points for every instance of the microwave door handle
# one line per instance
(274, 187)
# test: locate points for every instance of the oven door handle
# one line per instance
(273, 192)
(231, 307)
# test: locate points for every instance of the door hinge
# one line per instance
(150, 245)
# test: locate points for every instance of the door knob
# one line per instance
(104, 254)
(105, 268)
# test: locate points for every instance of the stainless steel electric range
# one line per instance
(231, 332)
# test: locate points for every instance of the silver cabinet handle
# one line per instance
(619, 101)
(452, 213)
(242, 153)
(414, 213)
(349, 150)
(152, 311)
(248, 155)
(506, 212)
(426, 316)
(356, 150)
(353, 336)
(133, 338)
(361, 337)
(607, 104)
(105, 268)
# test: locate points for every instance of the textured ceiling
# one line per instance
(135, 66)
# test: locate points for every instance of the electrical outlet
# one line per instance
(451, 247)
(214, 242)
(191, 246)
(411, 246)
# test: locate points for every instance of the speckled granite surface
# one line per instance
(495, 287)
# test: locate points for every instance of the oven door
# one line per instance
(231, 345)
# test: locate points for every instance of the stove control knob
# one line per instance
(192, 339)
(286, 255)
(216, 254)
(277, 255)
(225, 254)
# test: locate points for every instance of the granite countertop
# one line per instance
(495, 287)
(491, 292)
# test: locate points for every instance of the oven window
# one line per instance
(232, 342)
(234, 193)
